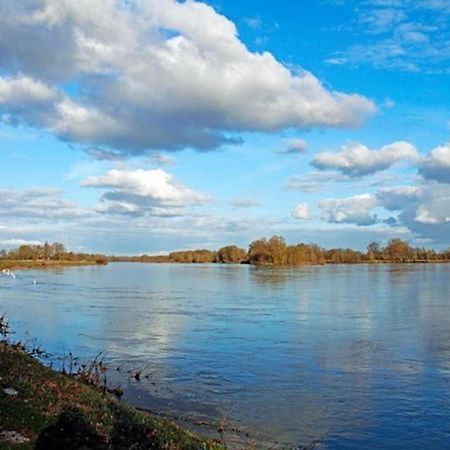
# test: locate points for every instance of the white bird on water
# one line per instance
(8, 273)
(34, 282)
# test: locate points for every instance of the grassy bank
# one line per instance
(43, 264)
(47, 410)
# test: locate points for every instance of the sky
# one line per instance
(146, 126)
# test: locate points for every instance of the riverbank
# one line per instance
(44, 409)
(132, 260)
(46, 264)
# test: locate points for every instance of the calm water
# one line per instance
(355, 356)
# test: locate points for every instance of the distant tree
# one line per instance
(374, 252)
(193, 256)
(258, 252)
(231, 254)
(343, 256)
(47, 250)
(58, 251)
(278, 250)
(397, 250)
(26, 252)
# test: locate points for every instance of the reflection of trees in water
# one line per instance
(281, 275)
(269, 275)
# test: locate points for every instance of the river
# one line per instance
(346, 356)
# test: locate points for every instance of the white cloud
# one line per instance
(357, 160)
(294, 146)
(427, 203)
(378, 20)
(31, 102)
(424, 209)
(301, 212)
(18, 92)
(143, 192)
(436, 166)
(394, 199)
(159, 74)
(409, 35)
(24, 100)
(37, 204)
(423, 215)
(357, 210)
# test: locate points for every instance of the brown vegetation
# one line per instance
(272, 251)
(47, 255)
(275, 251)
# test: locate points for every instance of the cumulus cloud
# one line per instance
(357, 160)
(423, 209)
(357, 210)
(161, 74)
(395, 198)
(301, 212)
(25, 100)
(419, 206)
(436, 166)
(143, 192)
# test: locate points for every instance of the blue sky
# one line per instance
(154, 125)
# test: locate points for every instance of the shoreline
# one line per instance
(42, 408)
(355, 263)
(43, 264)
(16, 360)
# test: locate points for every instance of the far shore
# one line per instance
(262, 252)
(44, 264)
(265, 264)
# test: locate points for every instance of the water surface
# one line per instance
(353, 356)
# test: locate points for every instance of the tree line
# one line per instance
(264, 251)
(50, 252)
(275, 251)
